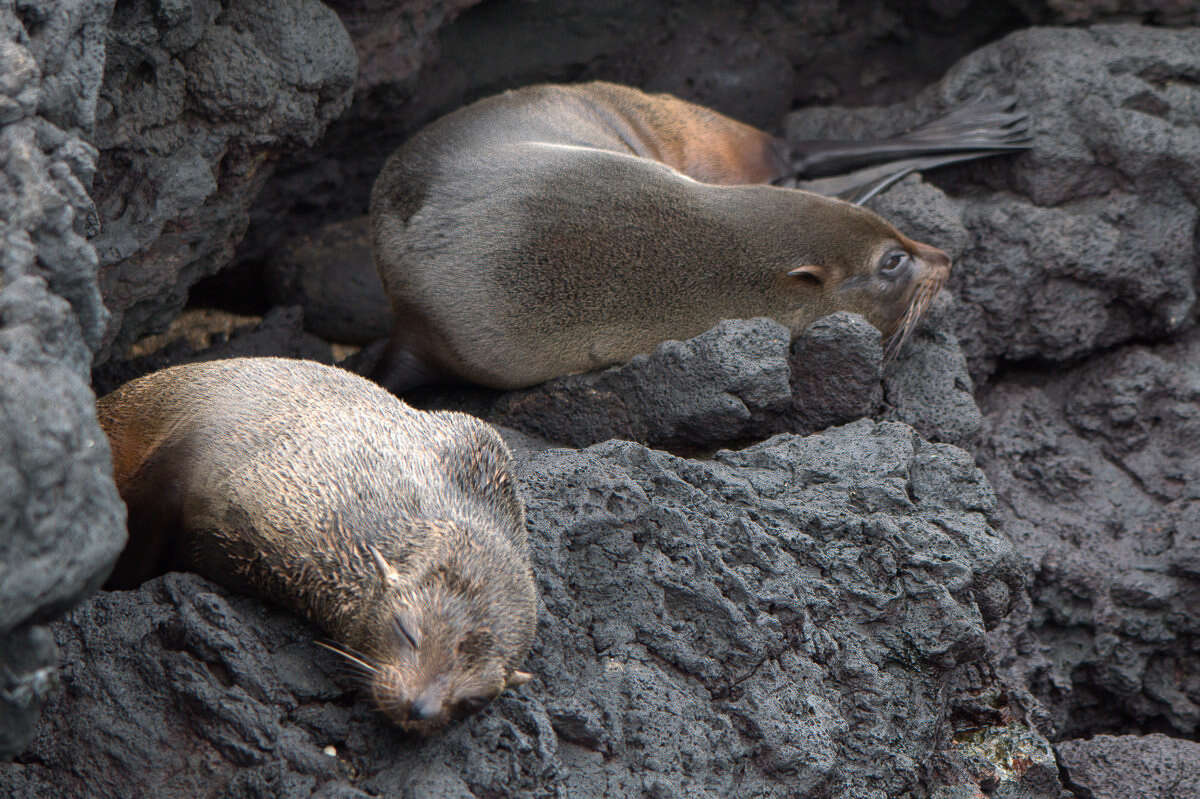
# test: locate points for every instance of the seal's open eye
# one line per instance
(891, 263)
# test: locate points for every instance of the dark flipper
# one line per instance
(863, 184)
(977, 130)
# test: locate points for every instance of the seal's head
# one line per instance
(434, 650)
(865, 265)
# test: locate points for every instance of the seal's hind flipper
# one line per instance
(976, 130)
(861, 185)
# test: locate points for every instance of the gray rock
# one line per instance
(197, 98)
(1099, 485)
(61, 522)
(836, 367)
(705, 629)
(740, 381)
(729, 383)
(28, 675)
(724, 385)
(1132, 766)
(928, 385)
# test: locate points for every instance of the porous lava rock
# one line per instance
(1098, 477)
(198, 99)
(743, 380)
(61, 522)
(1132, 766)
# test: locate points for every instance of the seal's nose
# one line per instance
(933, 257)
(425, 707)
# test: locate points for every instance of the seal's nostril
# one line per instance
(423, 709)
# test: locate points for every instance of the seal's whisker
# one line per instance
(353, 659)
(922, 298)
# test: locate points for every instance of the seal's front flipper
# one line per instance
(397, 369)
(973, 131)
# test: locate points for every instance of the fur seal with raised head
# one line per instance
(558, 229)
(398, 532)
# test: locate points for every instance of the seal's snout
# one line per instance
(936, 260)
(425, 708)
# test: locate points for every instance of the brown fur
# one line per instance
(557, 229)
(316, 489)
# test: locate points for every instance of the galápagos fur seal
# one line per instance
(398, 532)
(558, 229)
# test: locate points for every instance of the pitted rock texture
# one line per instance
(1089, 239)
(198, 98)
(1132, 766)
(61, 522)
(928, 386)
(1098, 476)
(794, 618)
(720, 386)
(836, 369)
(743, 380)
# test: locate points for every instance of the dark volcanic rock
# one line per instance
(720, 386)
(794, 618)
(929, 387)
(1099, 484)
(742, 380)
(61, 522)
(1093, 241)
(836, 369)
(1132, 767)
(198, 97)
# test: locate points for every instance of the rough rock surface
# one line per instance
(61, 523)
(742, 380)
(198, 98)
(836, 369)
(929, 386)
(1132, 767)
(1098, 478)
(799, 617)
(828, 615)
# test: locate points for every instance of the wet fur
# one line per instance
(558, 229)
(285, 478)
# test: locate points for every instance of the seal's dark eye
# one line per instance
(893, 262)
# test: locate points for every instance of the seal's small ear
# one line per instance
(810, 272)
(517, 679)
(387, 572)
